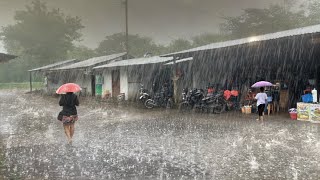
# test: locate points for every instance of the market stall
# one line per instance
(309, 108)
(273, 102)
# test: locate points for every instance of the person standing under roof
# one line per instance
(261, 98)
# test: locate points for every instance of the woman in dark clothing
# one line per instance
(69, 102)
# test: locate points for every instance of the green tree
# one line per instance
(178, 45)
(138, 45)
(262, 21)
(313, 12)
(208, 38)
(81, 52)
(41, 33)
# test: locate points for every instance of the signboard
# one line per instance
(308, 112)
(303, 110)
(315, 113)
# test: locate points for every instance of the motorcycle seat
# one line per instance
(206, 98)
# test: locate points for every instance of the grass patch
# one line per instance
(21, 85)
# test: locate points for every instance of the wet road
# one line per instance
(128, 143)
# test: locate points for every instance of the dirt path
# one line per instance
(127, 143)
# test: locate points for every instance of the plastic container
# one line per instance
(248, 110)
(243, 110)
(314, 95)
(293, 115)
(307, 98)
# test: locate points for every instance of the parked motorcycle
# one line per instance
(233, 104)
(162, 99)
(214, 103)
(232, 99)
(159, 101)
(191, 99)
(144, 94)
(198, 102)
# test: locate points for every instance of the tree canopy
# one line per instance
(262, 21)
(178, 45)
(41, 36)
(81, 53)
(207, 38)
(38, 37)
(313, 12)
(41, 33)
(276, 18)
(138, 45)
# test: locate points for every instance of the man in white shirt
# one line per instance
(261, 98)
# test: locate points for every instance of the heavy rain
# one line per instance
(146, 89)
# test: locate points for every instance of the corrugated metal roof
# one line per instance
(137, 61)
(180, 60)
(6, 57)
(277, 35)
(55, 65)
(92, 62)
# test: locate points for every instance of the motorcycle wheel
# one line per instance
(184, 107)
(220, 107)
(149, 104)
(169, 104)
(197, 109)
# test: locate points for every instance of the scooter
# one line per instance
(144, 94)
(161, 99)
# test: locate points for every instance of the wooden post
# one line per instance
(30, 81)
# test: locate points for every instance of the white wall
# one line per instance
(124, 81)
(107, 83)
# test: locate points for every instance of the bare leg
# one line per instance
(67, 131)
(71, 130)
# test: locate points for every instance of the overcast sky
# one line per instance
(163, 20)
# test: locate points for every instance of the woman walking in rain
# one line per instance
(69, 113)
(261, 98)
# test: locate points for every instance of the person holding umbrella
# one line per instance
(261, 98)
(69, 113)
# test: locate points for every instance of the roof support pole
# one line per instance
(127, 36)
(30, 81)
(175, 79)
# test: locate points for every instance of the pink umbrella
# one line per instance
(69, 87)
(262, 84)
